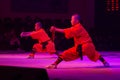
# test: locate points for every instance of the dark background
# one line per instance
(20, 15)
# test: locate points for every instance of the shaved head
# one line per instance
(76, 16)
(38, 25)
(75, 19)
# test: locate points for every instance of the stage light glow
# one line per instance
(112, 5)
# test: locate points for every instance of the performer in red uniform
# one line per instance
(44, 42)
(83, 45)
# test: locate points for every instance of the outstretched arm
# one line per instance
(53, 28)
(25, 34)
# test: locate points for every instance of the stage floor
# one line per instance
(72, 70)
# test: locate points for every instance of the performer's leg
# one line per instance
(58, 61)
(54, 65)
(106, 64)
(32, 54)
(67, 55)
(79, 50)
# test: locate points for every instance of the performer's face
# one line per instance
(74, 20)
(37, 26)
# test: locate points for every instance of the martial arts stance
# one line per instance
(45, 44)
(83, 45)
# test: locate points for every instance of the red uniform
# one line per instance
(42, 36)
(80, 36)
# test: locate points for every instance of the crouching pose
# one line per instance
(45, 44)
(83, 45)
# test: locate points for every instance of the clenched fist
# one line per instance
(22, 33)
(52, 29)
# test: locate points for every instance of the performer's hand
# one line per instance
(25, 34)
(21, 35)
(52, 29)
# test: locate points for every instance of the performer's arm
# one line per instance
(56, 29)
(25, 34)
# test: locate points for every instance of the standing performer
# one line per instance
(45, 44)
(83, 45)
